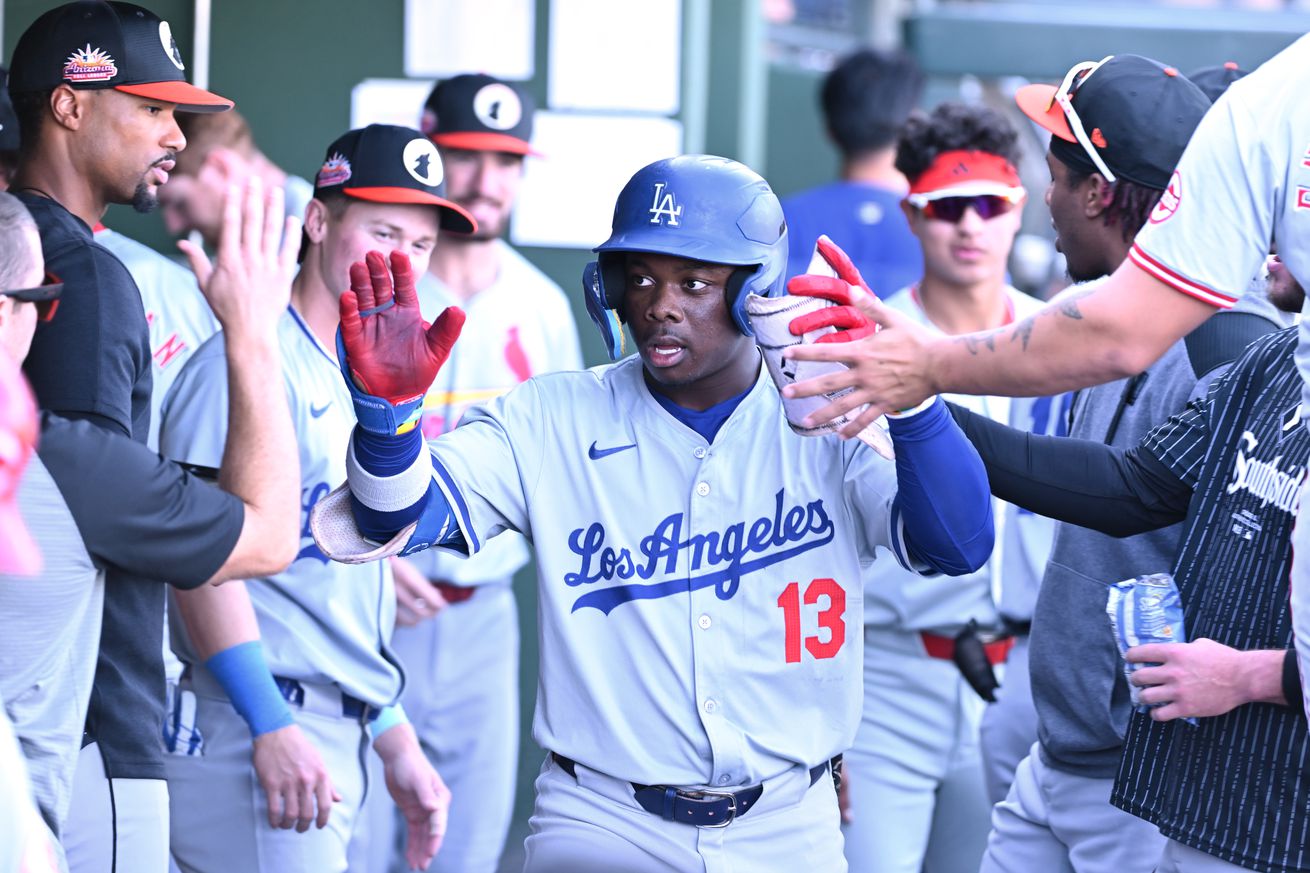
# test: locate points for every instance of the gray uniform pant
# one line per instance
(115, 825)
(1178, 858)
(1009, 726)
(1057, 822)
(593, 824)
(915, 772)
(462, 696)
(220, 811)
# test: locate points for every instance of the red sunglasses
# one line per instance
(45, 296)
(951, 209)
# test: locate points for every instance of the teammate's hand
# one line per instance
(294, 778)
(1198, 679)
(843, 289)
(393, 353)
(417, 599)
(249, 283)
(889, 370)
(844, 798)
(419, 792)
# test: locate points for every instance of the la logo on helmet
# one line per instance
(664, 205)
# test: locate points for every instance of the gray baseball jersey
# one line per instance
(1243, 183)
(321, 622)
(518, 327)
(700, 605)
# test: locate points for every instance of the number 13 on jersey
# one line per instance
(831, 601)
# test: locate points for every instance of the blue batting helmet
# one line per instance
(699, 207)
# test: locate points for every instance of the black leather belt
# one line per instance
(703, 808)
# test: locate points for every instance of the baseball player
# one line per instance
(915, 774)
(48, 652)
(221, 151)
(462, 667)
(865, 99)
(1240, 184)
(77, 75)
(288, 676)
(1228, 790)
(699, 561)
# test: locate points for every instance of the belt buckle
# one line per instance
(732, 806)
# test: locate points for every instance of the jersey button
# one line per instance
(699, 451)
(704, 622)
(703, 488)
(711, 706)
(725, 779)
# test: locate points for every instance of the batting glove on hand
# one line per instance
(388, 353)
(851, 323)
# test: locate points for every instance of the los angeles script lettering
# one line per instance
(725, 555)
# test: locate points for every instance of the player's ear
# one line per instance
(69, 107)
(316, 220)
(1097, 195)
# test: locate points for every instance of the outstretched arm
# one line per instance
(1118, 328)
(1077, 481)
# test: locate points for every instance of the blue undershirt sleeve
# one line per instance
(942, 496)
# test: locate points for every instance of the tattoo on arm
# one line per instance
(1022, 331)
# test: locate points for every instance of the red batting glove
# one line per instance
(393, 353)
(851, 323)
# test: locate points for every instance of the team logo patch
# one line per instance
(335, 171)
(427, 123)
(497, 106)
(90, 65)
(1169, 200)
(170, 45)
(664, 206)
(1302, 197)
(423, 162)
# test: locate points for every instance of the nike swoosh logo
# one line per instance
(596, 454)
(317, 411)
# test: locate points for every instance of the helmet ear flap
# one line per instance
(604, 316)
(735, 294)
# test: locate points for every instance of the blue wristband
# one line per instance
(244, 675)
(387, 719)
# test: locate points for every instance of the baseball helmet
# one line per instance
(700, 207)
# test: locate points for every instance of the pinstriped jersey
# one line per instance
(1235, 786)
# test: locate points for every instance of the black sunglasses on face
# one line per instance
(45, 296)
(951, 209)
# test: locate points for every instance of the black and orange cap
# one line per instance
(93, 45)
(386, 163)
(1138, 113)
(1214, 80)
(480, 113)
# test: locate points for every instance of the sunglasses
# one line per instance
(45, 296)
(1073, 80)
(952, 209)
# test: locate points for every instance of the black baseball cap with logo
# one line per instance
(385, 163)
(92, 44)
(1137, 113)
(1214, 81)
(480, 113)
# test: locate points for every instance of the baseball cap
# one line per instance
(386, 163)
(19, 554)
(1125, 115)
(1214, 80)
(8, 120)
(479, 112)
(92, 44)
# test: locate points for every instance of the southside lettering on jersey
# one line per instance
(1264, 479)
(784, 534)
